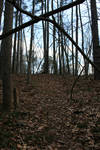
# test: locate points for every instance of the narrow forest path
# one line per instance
(49, 120)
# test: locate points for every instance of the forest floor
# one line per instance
(47, 119)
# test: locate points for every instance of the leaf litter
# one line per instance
(48, 120)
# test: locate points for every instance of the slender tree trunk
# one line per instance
(19, 42)
(62, 47)
(17, 57)
(54, 51)
(82, 32)
(14, 50)
(47, 49)
(72, 43)
(46, 40)
(31, 46)
(25, 45)
(90, 44)
(59, 42)
(62, 50)
(76, 57)
(95, 37)
(66, 54)
(21, 49)
(30, 57)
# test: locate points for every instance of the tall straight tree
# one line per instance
(59, 39)
(19, 41)
(95, 38)
(76, 55)
(46, 37)
(72, 15)
(31, 48)
(6, 47)
(21, 48)
(15, 43)
(54, 43)
(62, 41)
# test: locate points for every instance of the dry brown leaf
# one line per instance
(19, 146)
(42, 127)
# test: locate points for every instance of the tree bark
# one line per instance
(6, 47)
(15, 43)
(72, 43)
(76, 56)
(95, 38)
(46, 40)
(31, 48)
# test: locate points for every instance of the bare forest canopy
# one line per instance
(47, 17)
(36, 19)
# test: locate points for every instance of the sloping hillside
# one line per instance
(48, 119)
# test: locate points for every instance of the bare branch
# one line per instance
(19, 8)
(77, 2)
(74, 43)
(36, 19)
(44, 17)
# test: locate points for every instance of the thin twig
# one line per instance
(71, 96)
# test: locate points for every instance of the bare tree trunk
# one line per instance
(6, 48)
(19, 43)
(59, 49)
(72, 38)
(31, 46)
(17, 57)
(59, 42)
(95, 37)
(66, 54)
(14, 50)
(21, 48)
(47, 51)
(54, 51)
(62, 43)
(46, 40)
(76, 56)
(62, 50)
(90, 44)
(25, 45)
(82, 32)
